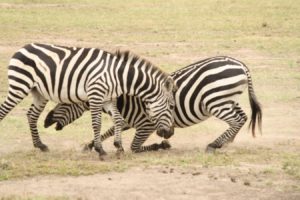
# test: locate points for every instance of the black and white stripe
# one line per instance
(74, 75)
(210, 87)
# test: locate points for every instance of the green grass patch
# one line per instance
(266, 26)
(291, 165)
(33, 163)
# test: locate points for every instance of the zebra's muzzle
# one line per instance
(48, 121)
(165, 132)
(59, 126)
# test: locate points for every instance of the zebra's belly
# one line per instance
(73, 95)
(179, 123)
(63, 95)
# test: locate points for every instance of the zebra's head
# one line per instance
(160, 109)
(64, 114)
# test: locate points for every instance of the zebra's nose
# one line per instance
(59, 126)
(165, 132)
(48, 121)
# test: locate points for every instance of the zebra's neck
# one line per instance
(138, 77)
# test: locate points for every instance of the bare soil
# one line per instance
(155, 183)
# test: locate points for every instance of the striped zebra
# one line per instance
(210, 87)
(74, 75)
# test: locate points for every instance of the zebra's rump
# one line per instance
(205, 85)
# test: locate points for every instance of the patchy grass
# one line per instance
(270, 27)
(74, 163)
(33, 163)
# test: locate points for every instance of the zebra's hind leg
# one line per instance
(14, 97)
(235, 117)
(96, 124)
(33, 115)
(96, 93)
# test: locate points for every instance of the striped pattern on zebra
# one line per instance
(210, 87)
(74, 75)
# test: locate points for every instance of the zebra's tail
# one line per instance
(256, 115)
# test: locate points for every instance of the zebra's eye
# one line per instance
(172, 107)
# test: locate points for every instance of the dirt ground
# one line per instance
(160, 182)
(155, 183)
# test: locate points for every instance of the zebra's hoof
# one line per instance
(118, 144)
(100, 150)
(102, 157)
(102, 154)
(119, 153)
(165, 144)
(43, 148)
(210, 149)
(87, 148)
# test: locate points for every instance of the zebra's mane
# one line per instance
(128, 54)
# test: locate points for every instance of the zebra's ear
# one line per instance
(169, 84)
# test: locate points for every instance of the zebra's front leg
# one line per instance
(235, 118)
(165, 144)
(89, 146)
(118, 124)
(141, 136)
(33, 114)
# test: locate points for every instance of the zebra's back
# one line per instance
(58, 73)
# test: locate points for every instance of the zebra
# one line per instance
(73, 75)
(209, 87)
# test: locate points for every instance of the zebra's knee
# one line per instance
(135, 149)
(29, 115)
